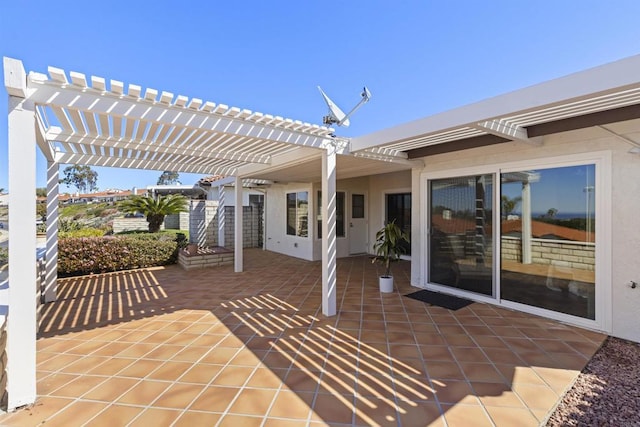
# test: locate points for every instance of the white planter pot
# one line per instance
(386, 283)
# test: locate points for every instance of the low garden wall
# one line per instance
(194, 257)
(578, 255)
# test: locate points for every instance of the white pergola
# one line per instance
(89, 121)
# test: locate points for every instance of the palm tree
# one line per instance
(155, 209)
(509, 205)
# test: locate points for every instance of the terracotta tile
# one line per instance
(422, 414)
(156, 417)
(496, 394)
(466, 415)
(182, 339)
(143, 393)
(232, 376)
(190, 354)
(53, 382)
(503, 416)
(233, 420)
(61, 361)
(140, 368)
(42, 409)
(83, 365)
(279, 422)
(79, 386)
(452, 391)
(481, 372)
(376, 412)
(538, 397)
(170, 371)
(558, 379)
(178, 396)
(219, 356)
(214, 399)
(299, 380)
(194, 418)
(266, 378)
(253, 402)
(111, 367)
(444, 370)
(289, 404)
(200, 374)
(137, 350)
(164, 352)
(115, 415)
(111, 389)
(77, 413)
(334, 408)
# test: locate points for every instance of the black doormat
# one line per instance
(441, 300)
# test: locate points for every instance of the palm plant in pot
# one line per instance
(388, 248)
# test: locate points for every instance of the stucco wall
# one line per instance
(621, 220)
(277, 239)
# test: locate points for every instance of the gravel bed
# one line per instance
(607, 391)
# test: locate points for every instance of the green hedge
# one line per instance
(84, 255)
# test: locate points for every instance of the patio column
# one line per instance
(21, 320)
(51, 254)
(238, 227)
(526, 222)
(329, 273)
(222, 218)
(416, 244)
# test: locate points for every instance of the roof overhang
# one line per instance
(598, 96)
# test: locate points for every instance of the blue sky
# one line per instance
(417, 57)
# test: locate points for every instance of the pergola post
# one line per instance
(51, 254)
(526, 222)
(329, 255)
(238, 238)
(21, 321)
(222, 218)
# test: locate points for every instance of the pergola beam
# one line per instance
(507, 130)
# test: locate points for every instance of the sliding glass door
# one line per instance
(548, 239)
(545, 240)
(461, 241)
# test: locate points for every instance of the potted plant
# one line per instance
(388, 248)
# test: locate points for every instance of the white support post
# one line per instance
(21, 321)
(526, 222)
(222, 218)
(329, 254)
(51, 254)
(416, 241)
(238, 238)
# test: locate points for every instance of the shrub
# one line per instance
(84, 255)
(83, 232)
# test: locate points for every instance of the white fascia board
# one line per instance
(599, 80)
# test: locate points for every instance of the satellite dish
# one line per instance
(336, 115)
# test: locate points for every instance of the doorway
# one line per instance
(358, 224)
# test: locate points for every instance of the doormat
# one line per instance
(440, 300)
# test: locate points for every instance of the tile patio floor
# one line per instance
(161, 346)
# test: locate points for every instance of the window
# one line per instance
(340, 217)
(357, 206)
(298, 214)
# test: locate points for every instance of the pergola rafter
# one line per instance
(84, 121)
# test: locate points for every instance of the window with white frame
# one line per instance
(298, 214)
